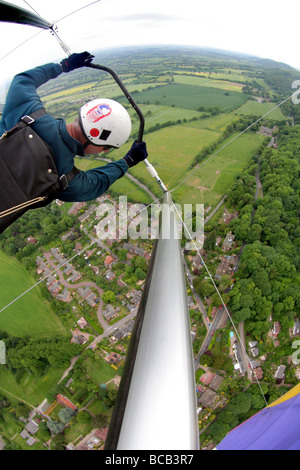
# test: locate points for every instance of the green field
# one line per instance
(259, 109)
(31, 314)
(190, 97)
(208, 82)
(171, 150)
(32, 389)
(208, 184)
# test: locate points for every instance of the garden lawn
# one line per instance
(30, 315)
(31, 389)
(98, 370)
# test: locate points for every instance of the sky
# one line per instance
(263, 28)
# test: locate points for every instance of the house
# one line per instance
(31, 240)
(65, 402)
(110, 312)
(108, 260)
(90, 299)
(216, 382)
(88, 295)
(78, 247)
(276, 328)
(102, 433)
(223, 269)
(136, 297)
(207, 378)
(88, 254)
(68, 269)
(24, 434)
(42, 268)
(258, 373)
(113, 358)
(197, 264)
(135, 250)
(75, 276)
(280, 374)
(95, 270)
(50, 280)
(32, 427)
(110, 275)
(267, 131)
(30, 441)
(124, 331)
(218, 240)
(54, 288)
(84, 291)
(207, 398)
(78, 339)
(228, 242)
(65, 296)
(296, 328)
(82, 323)
(254, 352)
(76, 208)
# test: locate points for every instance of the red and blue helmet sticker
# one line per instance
(98, 112)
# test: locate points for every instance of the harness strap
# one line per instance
(61, 184)
(24, 205)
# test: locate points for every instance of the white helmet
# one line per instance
(105, 122)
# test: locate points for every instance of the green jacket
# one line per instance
(22, 99)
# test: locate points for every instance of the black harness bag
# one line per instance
(28, 175)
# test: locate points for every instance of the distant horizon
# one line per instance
(201, 48)
(235, 54)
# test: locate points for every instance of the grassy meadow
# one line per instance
(31, 314)
(260, 109)
(31, 388)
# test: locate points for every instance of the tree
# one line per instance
(55, 426)
(83, 417)
(65, 414)
(210, 241)
(140, 273)
(108, 297)
(100, 421)
(240, 404)
(122, 254)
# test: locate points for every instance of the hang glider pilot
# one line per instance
(102, 124)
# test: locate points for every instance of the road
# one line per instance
(259, 188)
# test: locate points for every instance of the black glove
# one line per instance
(136, 154)
(75, 61)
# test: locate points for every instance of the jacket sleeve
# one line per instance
(88, 185)
(23, 87)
